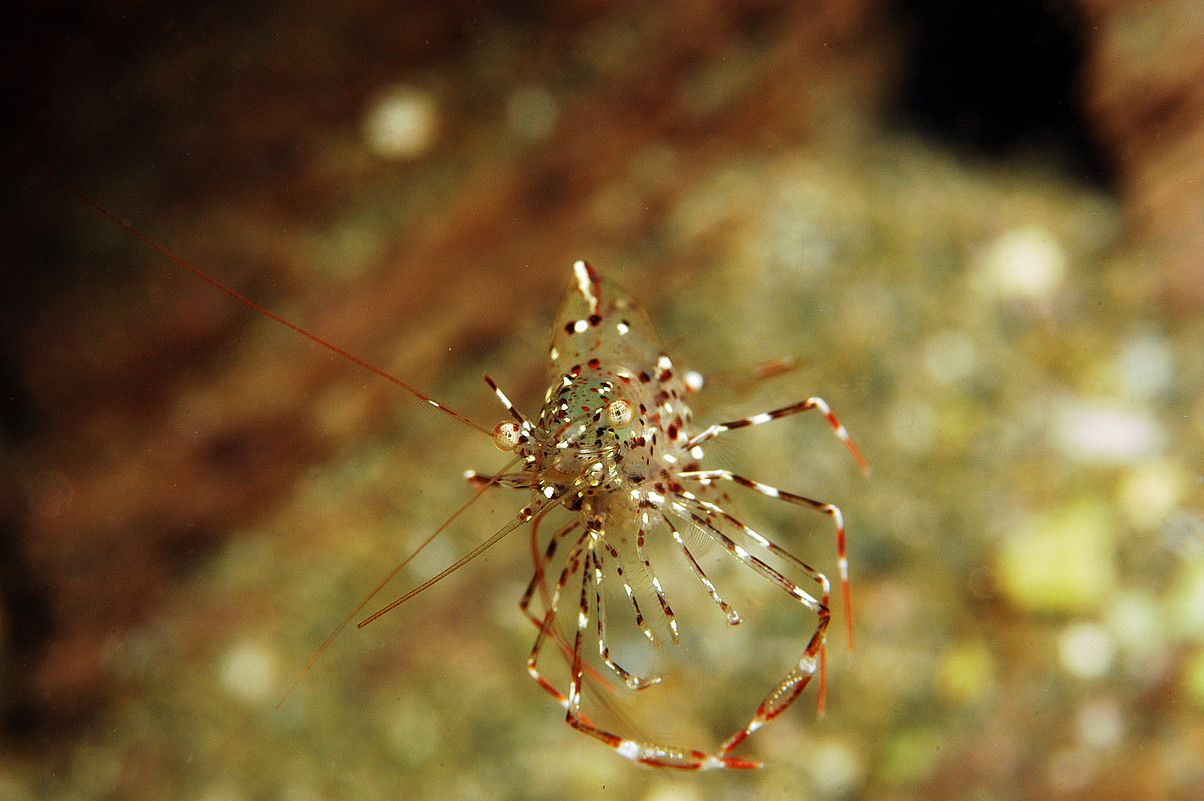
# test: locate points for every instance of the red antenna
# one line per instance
(180, 261)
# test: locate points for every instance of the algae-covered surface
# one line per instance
(198, 495)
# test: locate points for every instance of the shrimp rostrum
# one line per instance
(615, 445)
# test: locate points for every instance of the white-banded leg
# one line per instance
(518, 480)
(831, 510)
(647, 753)
(548, 623)
(825, 587)
(674, 634)
(632, 681)
(708, 510)
(550, 600)
(733, 617)
(766, 417)
(627, 588)
(786, 692)
(540, 571)
(522, 421)
(814, 656)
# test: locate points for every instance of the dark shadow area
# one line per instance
(999, 78)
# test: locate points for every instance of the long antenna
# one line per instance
(180, 261)
(522, 517)
(346, 621)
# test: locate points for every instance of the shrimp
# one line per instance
(616, 446)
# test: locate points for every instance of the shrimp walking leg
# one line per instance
(819, 404)
(832, 511)
(646, 753)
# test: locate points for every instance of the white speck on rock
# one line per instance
(1086, 650)
(1100, 724)
(402, 124)
(1106, 432)
(248, 671)
(835, 769)
(1024, 263)
(1145, 366)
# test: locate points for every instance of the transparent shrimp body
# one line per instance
(614, 442)
(614, 415)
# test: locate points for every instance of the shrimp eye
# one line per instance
(620, 413)
(506, 435)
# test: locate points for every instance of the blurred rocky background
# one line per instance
(979, 232)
